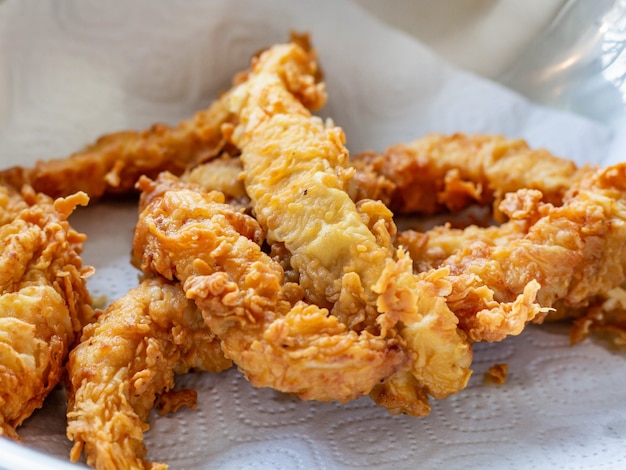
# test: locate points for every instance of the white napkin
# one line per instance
(73, 70)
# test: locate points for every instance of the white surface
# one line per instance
(482, 36)
(73, 70)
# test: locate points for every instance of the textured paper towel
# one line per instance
(73, 70)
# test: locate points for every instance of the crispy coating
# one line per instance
(402, 394)
(114, 163)
(415, 305)
(369, 182)
(276, 340)
(124, 362)
(545, 256)
(453, 171)
(606, 314)
(430, 248)
(223, 175)
(44, 302)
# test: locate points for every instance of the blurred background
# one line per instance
(464, 31)
(569, 54)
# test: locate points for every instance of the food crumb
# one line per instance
(497, 374)
(172, 400)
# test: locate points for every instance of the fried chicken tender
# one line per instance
(276, 339)
(223, 175)
(125, 362)
(296, 172)
(308, 178)
(453, 171)
(114, 163)
(543, 257)
(44, 302)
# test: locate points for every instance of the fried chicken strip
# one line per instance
(308, 178)
(44, 302)
(276, 339)
(223, 175)
(114, 163)
(453, 171)
(571, 254)
(124, 362)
